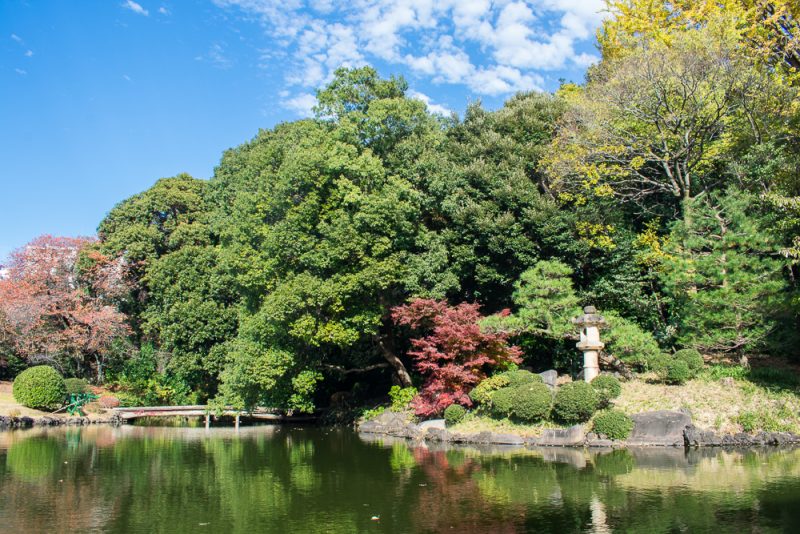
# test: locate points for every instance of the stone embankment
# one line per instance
(651, 429)
(10, 422)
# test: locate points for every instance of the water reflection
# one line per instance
(278, 479)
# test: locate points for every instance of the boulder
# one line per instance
(697, 437)
(388, 422)
(506, 439)
(661, 428)
(550, 378)
(561, 437)
(432, 423)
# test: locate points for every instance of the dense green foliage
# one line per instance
(693, 359)
(575, 402)
(613, 423)
(676, 372)
(454, 414)
(518, 377)
(40, 387)
(75, 386)
(607, 387)
(482, 393)
(503, 402)
(663, 190)
(532, 402)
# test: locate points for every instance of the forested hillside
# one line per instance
(665, 190)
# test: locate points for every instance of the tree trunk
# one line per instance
(400, 371)
(100, 377)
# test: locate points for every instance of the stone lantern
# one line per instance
(590, 323)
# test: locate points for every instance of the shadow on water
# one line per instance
(307, 479)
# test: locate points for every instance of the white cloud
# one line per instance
(29, 53)
(21, 72)
(433, 108)
(136, 8)
(126, 77)
(492, 47)
(302, 104)
(163, 10)
(16, 37)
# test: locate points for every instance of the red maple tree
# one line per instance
(49, 306)
(453, 354)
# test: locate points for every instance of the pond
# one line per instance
(307, 479)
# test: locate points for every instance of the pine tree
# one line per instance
(723, 272)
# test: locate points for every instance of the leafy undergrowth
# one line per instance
(725, 399)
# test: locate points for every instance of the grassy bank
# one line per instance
(725, 399)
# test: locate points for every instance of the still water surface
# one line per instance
(281, 479)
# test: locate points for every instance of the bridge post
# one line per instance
(208, 421)
(236, 424)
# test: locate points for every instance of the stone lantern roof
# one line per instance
(590, 318)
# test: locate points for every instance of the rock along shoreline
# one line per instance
(13, 422)
(651, 429)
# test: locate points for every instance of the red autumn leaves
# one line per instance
(452, 354)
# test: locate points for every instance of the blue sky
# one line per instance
(100, 98)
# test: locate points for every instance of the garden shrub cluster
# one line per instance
(615, 424)
(607, 388)
(575, 402)
(40, 387)
(481, 394)
(454, 414)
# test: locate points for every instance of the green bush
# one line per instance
(481, 394)
(613, 423)
(401, 397)
(532, 402)
(692, 358)
(575, 402)
(76, 385)
(503, 402)
(40, 387)
(748, 420)
(454, 414)
(658, 362)
(517, 377)
(677, 372)
(607, 388)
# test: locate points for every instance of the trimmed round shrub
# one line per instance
(658, 362)
(76, 386)
(481, 394)
(454, 414)
(677, 372)
(607, 388)
(532, 402)
(575, 402)
(503, 402)
(40, 387)
(613, 423)
(517, 377)
(692, 358)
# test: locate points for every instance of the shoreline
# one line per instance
(658, 429)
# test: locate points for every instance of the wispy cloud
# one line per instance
(302, 104)
(163, 10)
(216, 56)
(16, 38)
(136, 8)
(126, 77)
(29, 53)
(21, 72)
(493, 48)
(433, 108)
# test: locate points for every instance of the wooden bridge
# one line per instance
(261, 414)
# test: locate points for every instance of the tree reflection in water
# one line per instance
(276, 479)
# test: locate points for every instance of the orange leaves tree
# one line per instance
(57, 303)
(451, 352)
